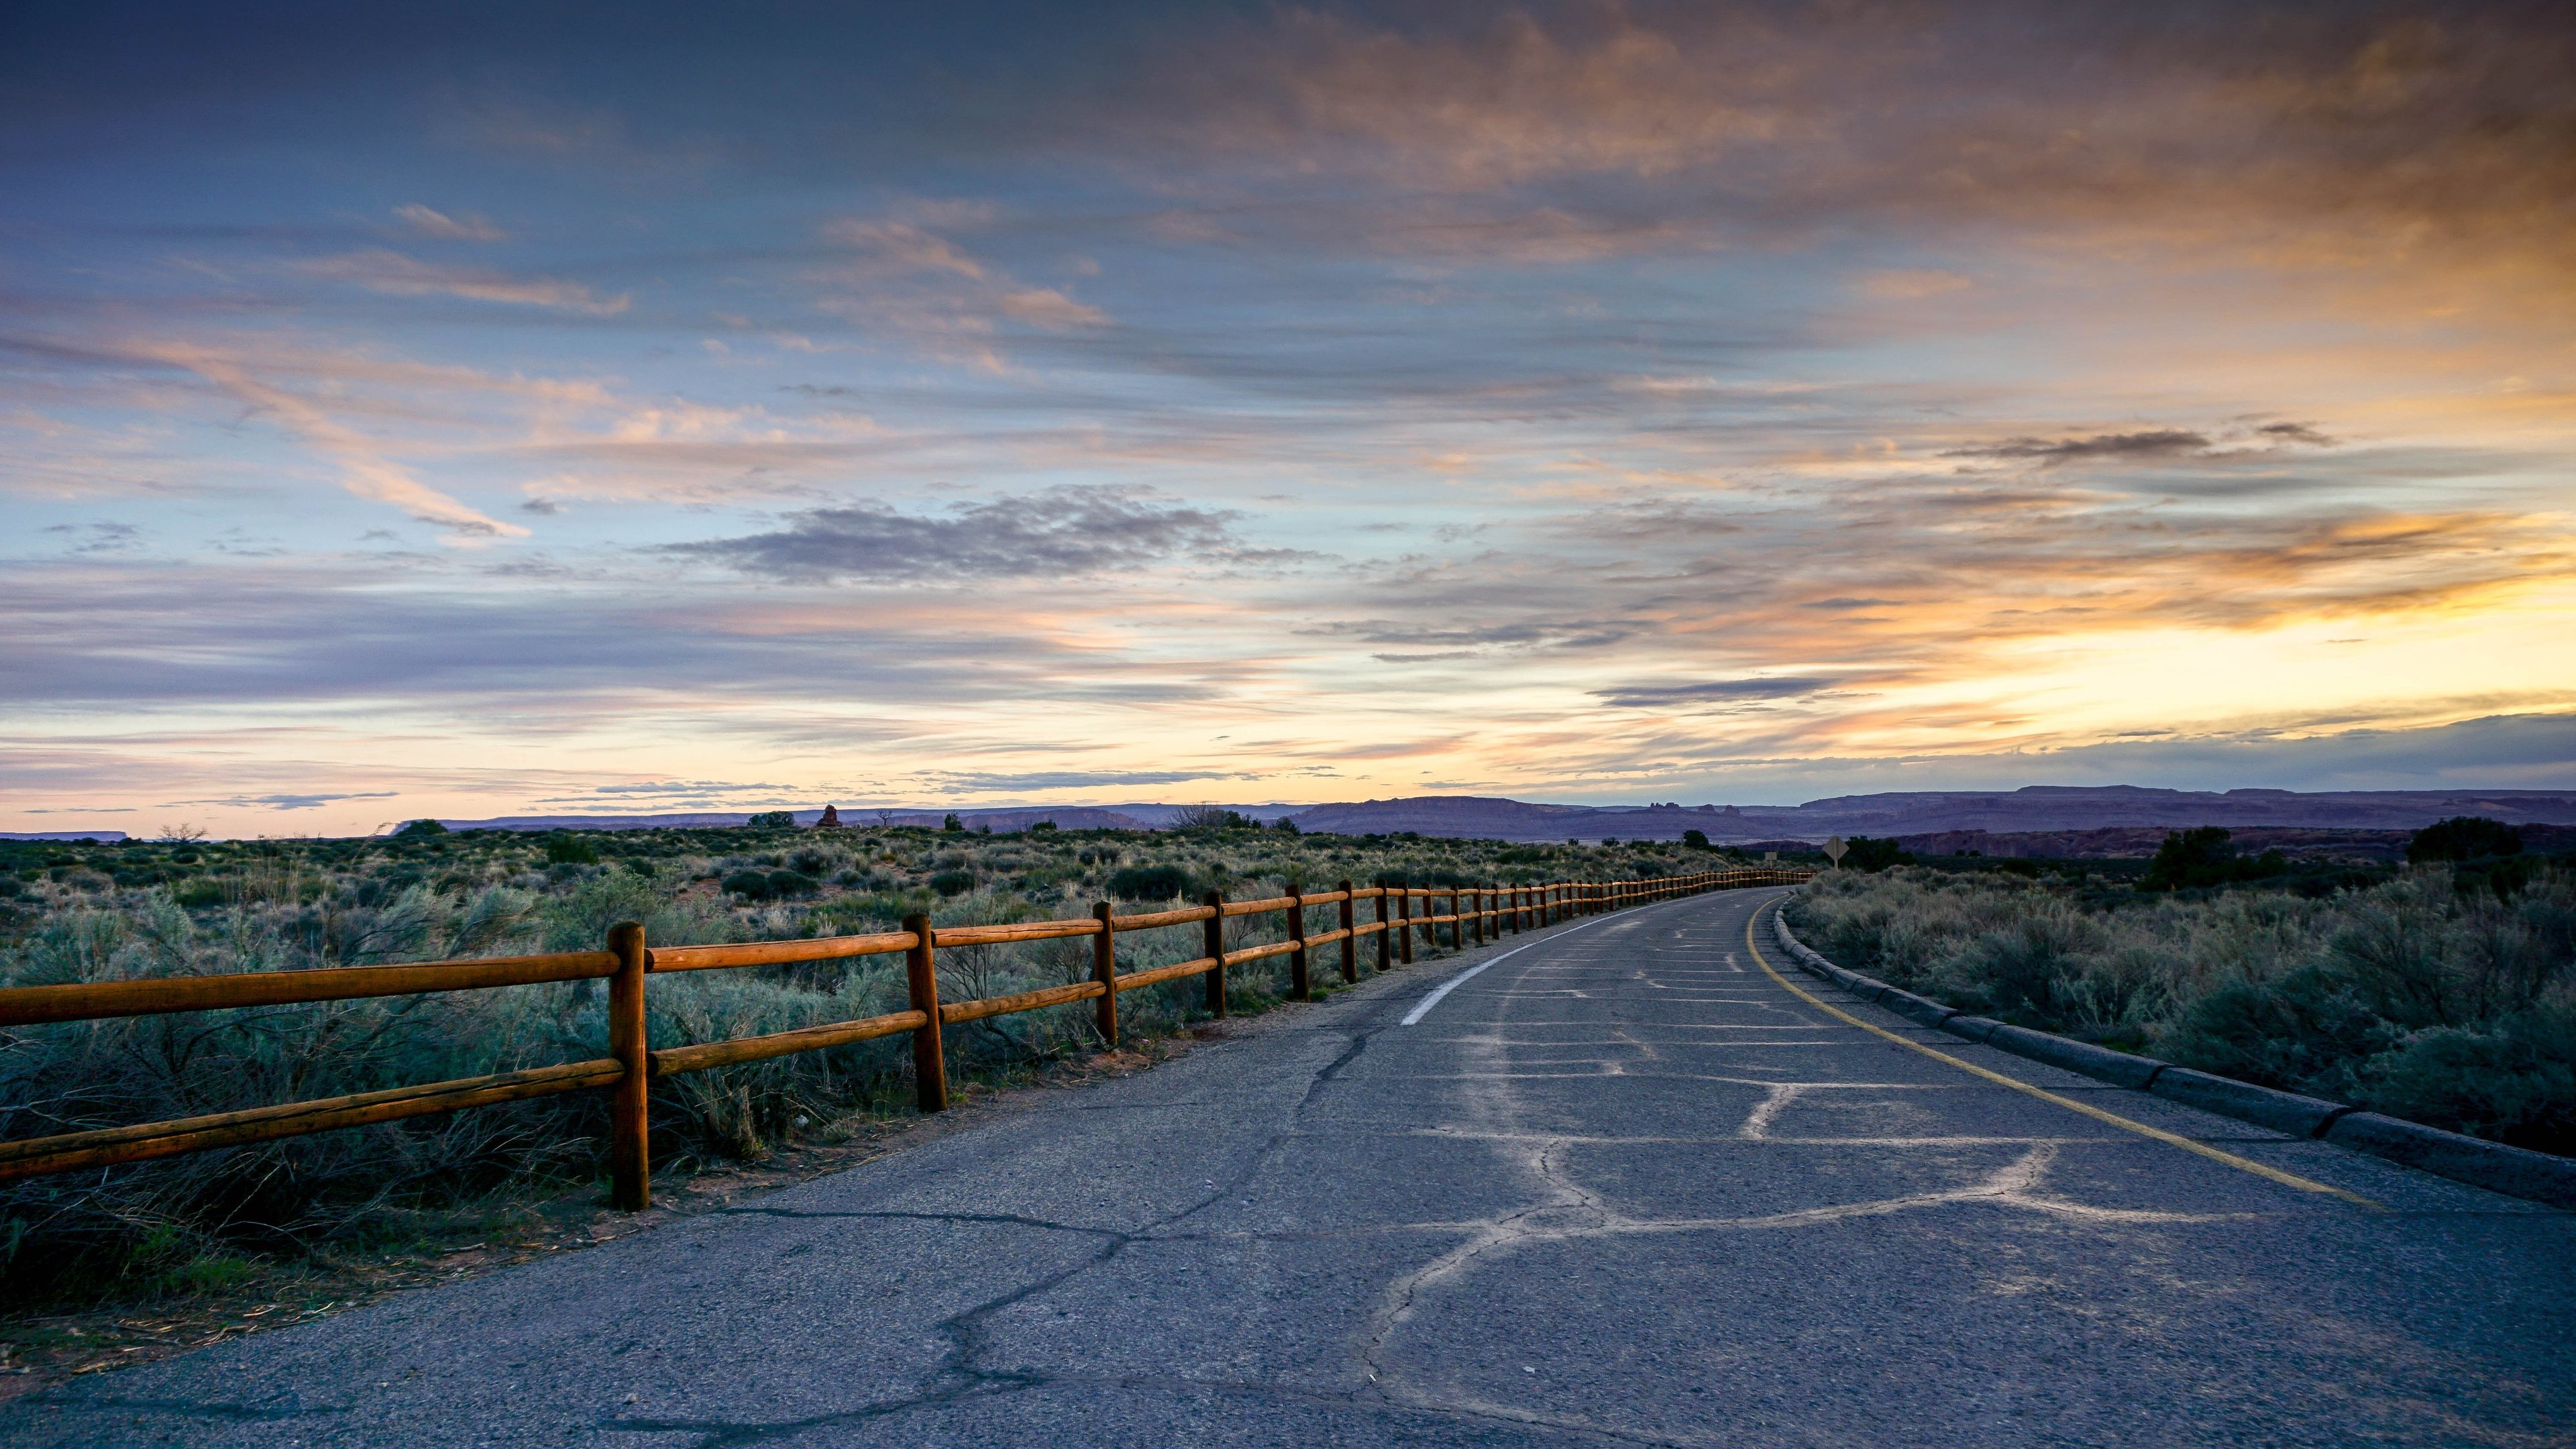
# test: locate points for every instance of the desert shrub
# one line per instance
(562, 849)
(953, 882)
(1149, 882)
(2409, 997)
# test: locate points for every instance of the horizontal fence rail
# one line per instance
(1473, 914)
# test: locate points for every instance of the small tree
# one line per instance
(1695, 839)
(422, 827)
(2463, 837)
(1864, 853)
(952, 824)
(2204, 857)
(1204, 817)
(772, 820)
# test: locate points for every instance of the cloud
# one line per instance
(981, 782)
(1913, 284)
(396, 275)
(364, 470)
(2146, 446)
(467, 227)
(2299, 433)
(289, 802)
(902, 276)
(2411, 149)
(1717, 691)
(2150, 446)
(1059, 533)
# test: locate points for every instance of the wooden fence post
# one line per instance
(630, 1152)
(1301, 987)
(1215, 942)
(921, 972)
(1385, 947)
(1104, 969)
(1404, 923)
(1477, 896)
(1350, 943)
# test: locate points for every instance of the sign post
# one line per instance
(1834, 849)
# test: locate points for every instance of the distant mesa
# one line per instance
(2031, 809)
(1935, 820)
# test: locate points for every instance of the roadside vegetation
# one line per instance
(2443, 991)
(88, 912)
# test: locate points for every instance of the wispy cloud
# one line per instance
(397, 275)
(364, 470)
(465, 226)
(1714, 691)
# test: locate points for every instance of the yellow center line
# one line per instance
(2286, 1179)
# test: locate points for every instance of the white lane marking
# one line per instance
(1454, 982)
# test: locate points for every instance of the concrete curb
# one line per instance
(2513, 1171)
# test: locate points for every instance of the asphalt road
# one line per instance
(1621, 1186)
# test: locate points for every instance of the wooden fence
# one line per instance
(1474, 915)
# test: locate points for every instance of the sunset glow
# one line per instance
(507, 414)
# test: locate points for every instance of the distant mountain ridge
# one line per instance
(2030, 809)
(1065, 817)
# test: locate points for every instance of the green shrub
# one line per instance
(953, 882)
(419, 828)
(562, 849)
(1149, 882)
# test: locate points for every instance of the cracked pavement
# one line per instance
(1619, 1188)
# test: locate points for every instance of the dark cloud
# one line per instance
(2295, 433)
(291, 802)
(1059, 533)
(1078, 779)
(2151, 446)
(1717, 691)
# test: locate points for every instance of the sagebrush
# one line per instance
(2445, 997)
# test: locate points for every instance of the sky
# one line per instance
(470, 410)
